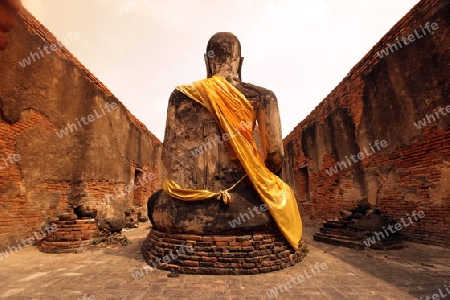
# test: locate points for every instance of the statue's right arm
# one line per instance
(269, 125)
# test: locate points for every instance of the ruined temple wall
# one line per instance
(49, 174)
(383, 99)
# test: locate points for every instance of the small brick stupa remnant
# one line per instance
(361, 227)
(203, 152)
(72, 235)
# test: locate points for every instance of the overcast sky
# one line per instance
(300, 49)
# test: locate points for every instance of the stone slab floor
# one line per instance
(106, 273)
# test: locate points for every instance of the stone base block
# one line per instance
(247, 254)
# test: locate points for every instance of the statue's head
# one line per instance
(223, 56)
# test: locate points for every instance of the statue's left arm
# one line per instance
(269, 125)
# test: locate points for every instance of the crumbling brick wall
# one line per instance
(383, 98)
(46, 172)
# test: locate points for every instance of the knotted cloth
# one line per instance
(231, 109)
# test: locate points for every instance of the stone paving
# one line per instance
(341, 273)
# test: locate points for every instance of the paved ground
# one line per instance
(411, 273)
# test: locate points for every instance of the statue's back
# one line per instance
(196, 152)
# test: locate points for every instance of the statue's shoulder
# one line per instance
(177, 97)
(177, 94)
(254, 91)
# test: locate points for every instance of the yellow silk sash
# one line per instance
(231, 109)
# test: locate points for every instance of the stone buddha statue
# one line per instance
(198, 155)
(196, 152)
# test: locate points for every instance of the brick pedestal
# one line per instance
(71, 236)
(258, 252)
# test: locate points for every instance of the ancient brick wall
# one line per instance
(382, 99)
(98, 160)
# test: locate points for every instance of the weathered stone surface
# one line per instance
(195, 151)
(67, 217)
(212, 216)
(346, 215)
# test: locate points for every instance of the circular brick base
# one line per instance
(258, 252)
(71, 237)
